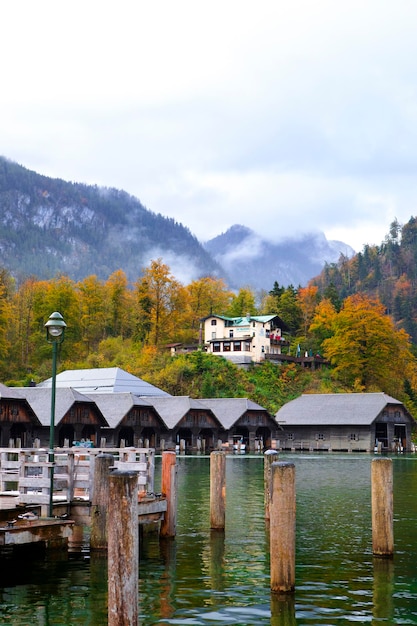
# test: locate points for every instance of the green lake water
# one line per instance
(204, 577)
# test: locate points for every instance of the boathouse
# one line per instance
(18, 420)
(190, 421)
(345, 422)
(77, 417)
(131, 420)
(108, 407)
(244, 419)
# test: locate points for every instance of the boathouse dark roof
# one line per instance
(10, 393)
(174, 408)
(104, 380)
(39, 399)
(336, 409)
(116, 406)
(229, 410)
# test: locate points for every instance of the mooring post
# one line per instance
(282, 527)
(382, 508)
(217, 490)
(100, 501)
(169, 489)
(123, 549)
(270, 457)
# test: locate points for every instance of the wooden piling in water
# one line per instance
(282, 527)
(100, 501)
(169, 489)
(382, 508)
(270, 457)
(123, 549)
(217, 490)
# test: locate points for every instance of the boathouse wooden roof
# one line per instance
(10, 393)
(13, 396)
(336, 409)
(229, 410)
(104, 380)
(173, 409)
(39, 399)
(117, 405)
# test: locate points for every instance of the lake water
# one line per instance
(204, 577)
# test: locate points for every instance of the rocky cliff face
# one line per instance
(50, 226)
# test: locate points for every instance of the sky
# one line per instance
(286, 117)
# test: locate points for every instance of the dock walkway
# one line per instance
(25, 488)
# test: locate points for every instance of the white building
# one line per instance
(244, 340)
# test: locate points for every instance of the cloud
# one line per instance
(285, 117)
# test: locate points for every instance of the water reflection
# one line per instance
(205, 577)
(283, 609)
(383, 589)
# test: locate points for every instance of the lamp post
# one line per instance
(55, 331)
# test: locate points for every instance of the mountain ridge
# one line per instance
(50, 226)
(246, 256)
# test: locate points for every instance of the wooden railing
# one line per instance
(25, 472)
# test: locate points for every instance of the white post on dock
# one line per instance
(123, 549)
(270, 457)
(382, 508)
(282, 527)
(217, 490)
(169, 489)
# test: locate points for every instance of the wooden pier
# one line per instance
(25, 485)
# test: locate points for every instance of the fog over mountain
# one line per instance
(50, 226)
(249, 259)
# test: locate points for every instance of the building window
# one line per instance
(237, 346)
(214, 322)
(231, 333)
(226, 346)
(213, 334)
(290, 436)
(353, 437)
(216, 346)
(320, 436)
(247, 346)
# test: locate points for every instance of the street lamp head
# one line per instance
(55, 328)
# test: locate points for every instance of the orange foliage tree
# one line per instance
(365, 349)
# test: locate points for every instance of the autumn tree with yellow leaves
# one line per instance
(365, 349)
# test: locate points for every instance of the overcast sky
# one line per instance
(286, 117)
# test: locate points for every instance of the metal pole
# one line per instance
(51, 429)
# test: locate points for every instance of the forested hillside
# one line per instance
(50, 226)
(387, 272)
(116, 322)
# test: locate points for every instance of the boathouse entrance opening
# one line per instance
(18, 431)
(186, 435)
(207, 435)
(89, 433)
(66, 434)
(381, 434)
(148, 434)
(263, 435)
(242, 432)
(126, 434)
(400, 435)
